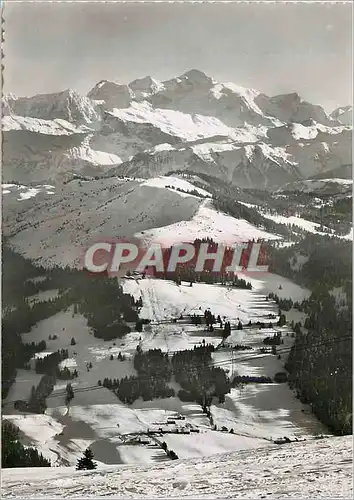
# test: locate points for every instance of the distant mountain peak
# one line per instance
(192, 79)
(114, 94)
(197, 76)
(284, 99)
(142, 87)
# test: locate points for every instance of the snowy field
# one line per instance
(269, 283)
(314, 469)
(164, 299)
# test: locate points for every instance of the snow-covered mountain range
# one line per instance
(190, 123)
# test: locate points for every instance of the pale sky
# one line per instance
(274, 48)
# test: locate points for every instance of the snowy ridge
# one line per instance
(86, 153)
(176, 183)
(144, 87)
(207, 222)
(275, 153)
(300, 131)
(94, 157)
(204, 150)
(248, 95)
(176, 123)
(40, 126)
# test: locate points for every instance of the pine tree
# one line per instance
(69, 393)
(86, 462)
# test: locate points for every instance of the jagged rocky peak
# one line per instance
(7, 101)
(190, 80)
(343, 114)
(66, 105)
(114, 95)
(197, 77)
(143, 87)
(291, 108)
(287, 100)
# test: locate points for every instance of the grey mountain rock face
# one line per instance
(67, 105)
(290, 108)
(190, 123)
(343, 115)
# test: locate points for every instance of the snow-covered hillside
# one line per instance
(235, 133)
(75, 215)
(69, 218)
(169, 209)
(315, 469)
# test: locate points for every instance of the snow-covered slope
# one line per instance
(185, 126)
(314, 469)
(55, 127)
(81, 212)
(207, 222)
(236, 133)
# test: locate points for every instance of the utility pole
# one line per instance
(321, 217)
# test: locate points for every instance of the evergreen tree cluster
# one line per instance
(274, 340)
(201, 381)
(283, 304)
(191, 369)
(69, 393)
(49, 364)
(195, 192)
(227, 329)
(14, 454)
(140, 323)
(37, 400)
(250, 379)
(320, 361)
